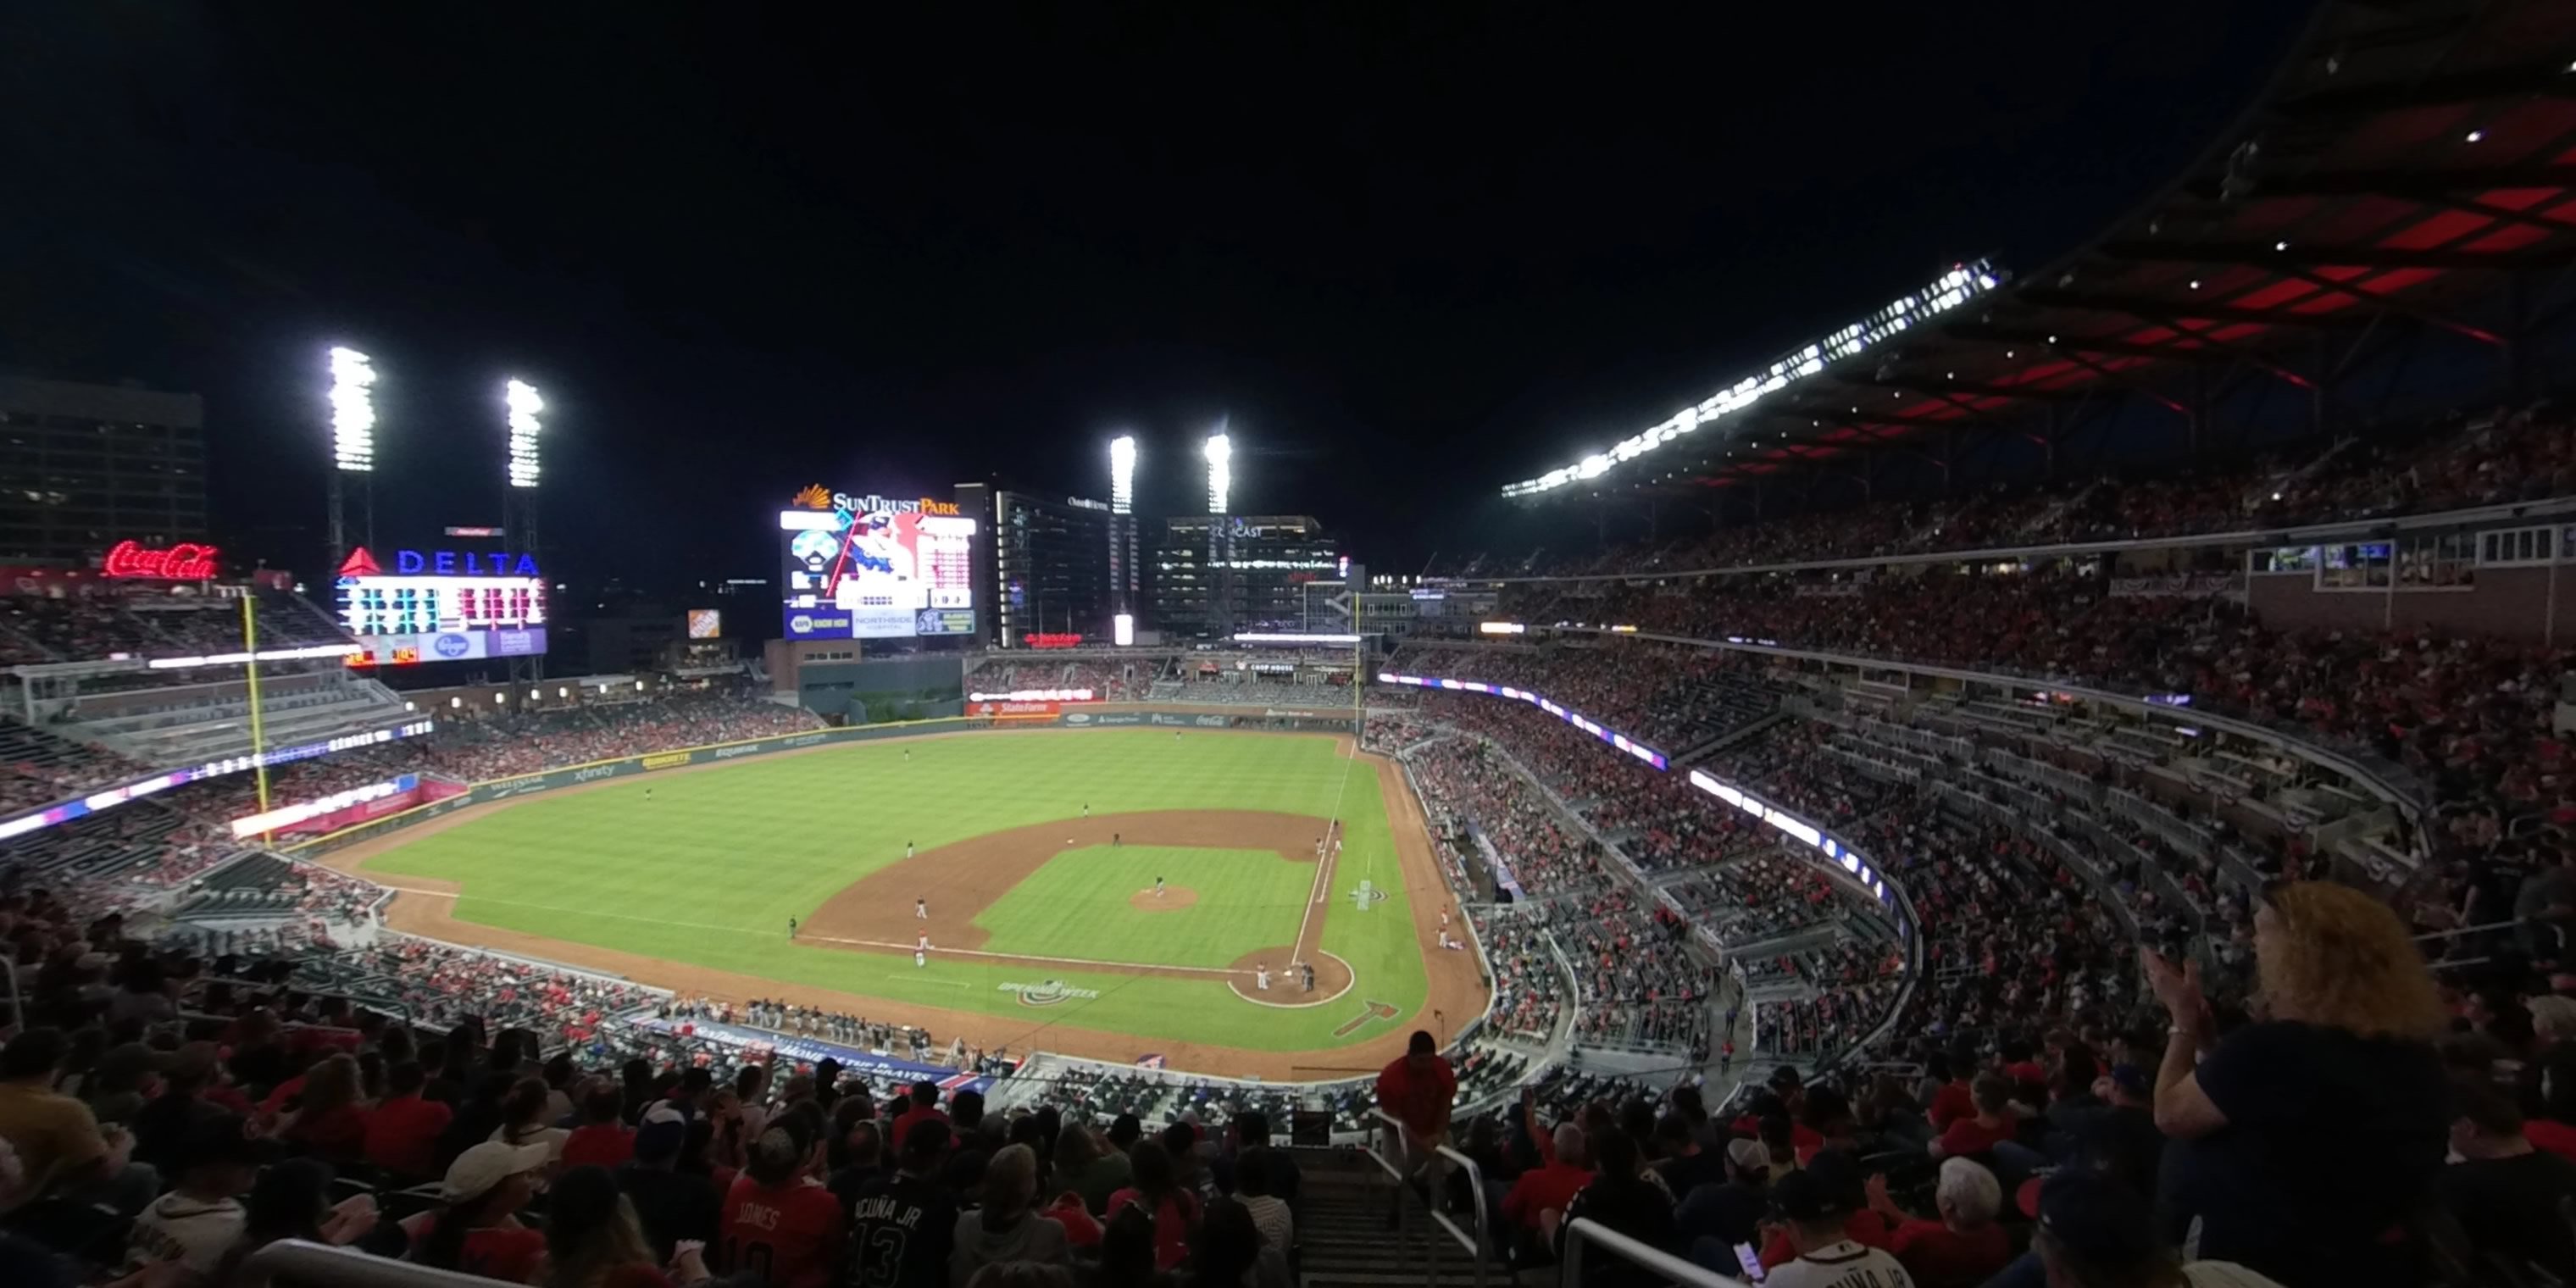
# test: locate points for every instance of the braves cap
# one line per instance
(660, 1134)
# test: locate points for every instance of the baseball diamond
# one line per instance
(1035, 857)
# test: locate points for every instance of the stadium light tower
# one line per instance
(524, 404)
(520, 404)
(1122, 538)
(1122, 474)
(1220, 452)
(353, 442)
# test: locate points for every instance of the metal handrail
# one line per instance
(1476, 1243)
(1680, 1271)
(297, 1262)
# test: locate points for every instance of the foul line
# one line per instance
(804, 938)
(1329, 860)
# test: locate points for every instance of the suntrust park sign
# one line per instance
(817, 497)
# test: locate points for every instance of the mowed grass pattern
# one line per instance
(1078, 905)
(705, 867)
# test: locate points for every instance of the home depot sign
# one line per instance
(186, 561)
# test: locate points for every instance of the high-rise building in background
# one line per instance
(83, 467)
(1211, 575)
(1052, 569)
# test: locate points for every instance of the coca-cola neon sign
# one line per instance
(186, 561)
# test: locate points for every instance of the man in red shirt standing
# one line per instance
(925, 1108)
(1418, 1089)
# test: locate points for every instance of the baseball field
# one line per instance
(1026, 860)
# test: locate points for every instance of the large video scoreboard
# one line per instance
(866, 567)
(442, 606)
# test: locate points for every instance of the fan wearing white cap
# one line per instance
(479, 1231)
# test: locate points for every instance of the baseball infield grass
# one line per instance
(710, 866)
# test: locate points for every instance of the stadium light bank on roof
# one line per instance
(1952, 289)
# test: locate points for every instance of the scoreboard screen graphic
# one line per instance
(866, 567)
(442, 606)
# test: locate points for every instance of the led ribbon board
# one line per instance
(162, 782)
(1576, 718)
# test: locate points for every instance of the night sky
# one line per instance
(1412, 252)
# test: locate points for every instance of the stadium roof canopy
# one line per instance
(2411, 169)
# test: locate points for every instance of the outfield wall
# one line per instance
(501, 789)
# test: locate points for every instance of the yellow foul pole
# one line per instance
(258, 739)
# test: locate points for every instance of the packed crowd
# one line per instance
(40, 629)
(2485, 459)
(165, 1116)
(793, 1020)
(481, 746)
(1640, 984)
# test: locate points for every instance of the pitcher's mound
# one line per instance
(1174, 899)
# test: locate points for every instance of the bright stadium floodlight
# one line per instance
(1961, 284)
(1122, 474)
(353, 411)
(1220, 479)
(524, 404)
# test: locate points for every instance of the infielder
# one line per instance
(907, 849)
(1261, 978)
(921, 910)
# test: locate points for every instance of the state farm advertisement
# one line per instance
(1006, 709)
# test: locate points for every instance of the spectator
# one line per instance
(1991, 1125)
(1226, 1251)
(1623, 1199)
(1254, 1174)
(779, 1220)
(2097, 1233)
(2510, 1199)
(328, 1121)
(594, 1241)
(1813, 1213)
(1087, 1166)
(672, 1205)
(1005, 1226)
(2311, 1133)
(1713, 1219)
(59, 1146)
(526, 1119)
(908, 1211)
(291, 1200)
(1537, 1201)
(1128, 1254)
(403, 1130)
(164, 1122)
(924, 1107)
(1962, 1249)
(194, 1225)
(603, 1139)
(478, 1232)
(1156, 1189)
(1417, 1090)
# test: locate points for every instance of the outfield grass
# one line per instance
(1078, 905)
(709, 868)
